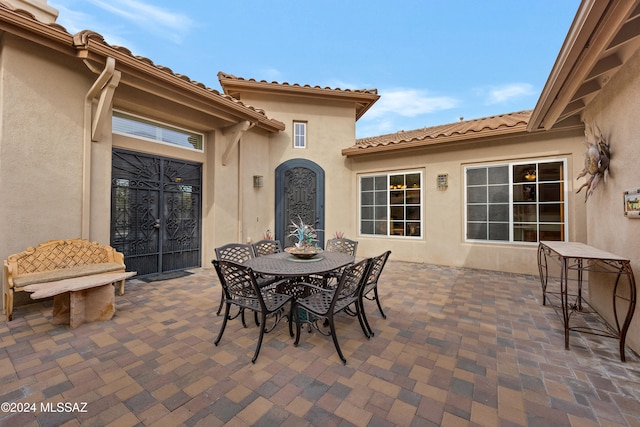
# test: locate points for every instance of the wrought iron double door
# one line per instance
(156, 212)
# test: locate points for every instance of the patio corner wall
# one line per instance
(615, 112)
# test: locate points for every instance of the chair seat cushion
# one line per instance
(66, 273)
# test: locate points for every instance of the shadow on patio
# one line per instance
(459, 347)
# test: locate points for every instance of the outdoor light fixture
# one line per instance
(443, 181)
(257, 181)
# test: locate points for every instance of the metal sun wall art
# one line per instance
(596, 160)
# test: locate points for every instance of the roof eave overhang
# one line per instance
(140, 70)
(590, 54)
(21, 23)
(363, 100)
(90, 46)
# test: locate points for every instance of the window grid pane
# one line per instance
(299, 135)
(487, 203)
(391, 205)
(536, 202)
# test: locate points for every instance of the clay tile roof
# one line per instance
(227, 76)
(452, 132)
(363, 98)
(82, 39)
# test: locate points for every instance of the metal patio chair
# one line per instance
(343, 245)
(266, 247)
(233, 252)
(242, 290)
(325, 304)
(376, 265)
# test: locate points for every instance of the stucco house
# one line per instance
(467, 172)
(100, 144)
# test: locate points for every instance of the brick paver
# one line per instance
(459, 347)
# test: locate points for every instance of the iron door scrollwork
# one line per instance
(155, 212)
(299, 196)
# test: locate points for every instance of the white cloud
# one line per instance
(402, 108)
(171, 25)
(408, 103)
(74, 22)
(502, 94)
(141, 12)
(374, 128)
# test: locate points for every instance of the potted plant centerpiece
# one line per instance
(306, 245)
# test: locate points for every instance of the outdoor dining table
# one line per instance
(283, 264)
(287, 266)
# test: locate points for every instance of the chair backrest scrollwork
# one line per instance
(266, 247)
(343, 245)
(350, 283)
(375, 269)
(234, 252)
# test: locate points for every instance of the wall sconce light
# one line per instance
(530, 174)
(257, 181)
(443, 181)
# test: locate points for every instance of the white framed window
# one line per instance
(299, 134)
(516, 202)
(391, 204)
(151, 130)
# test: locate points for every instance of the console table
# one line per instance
(578, 257)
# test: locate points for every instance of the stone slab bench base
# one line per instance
(81, 299)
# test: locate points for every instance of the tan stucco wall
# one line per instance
(44, 137)
(443, 239)
(330, 128)
(615, 112)
(256, 203)
(41, 146)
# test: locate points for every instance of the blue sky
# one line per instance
(432, 61)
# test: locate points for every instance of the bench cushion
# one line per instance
(66, 273)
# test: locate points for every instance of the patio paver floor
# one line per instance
(459, 347)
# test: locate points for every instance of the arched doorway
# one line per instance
(299, 193)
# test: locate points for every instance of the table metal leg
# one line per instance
(564, 297)
(544, 272)
(630, 300)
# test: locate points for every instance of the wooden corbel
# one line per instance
(105, 85)
(103, 109)
(233, 134)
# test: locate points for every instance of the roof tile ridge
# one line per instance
(26, 14)
(445, 130)
(228, 76)
(81, 40)
(22, 12)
